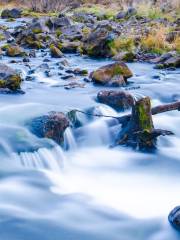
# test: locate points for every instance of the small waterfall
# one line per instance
(43, 158)
(69, 140)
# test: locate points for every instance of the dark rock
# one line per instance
(119, 100)
(55, 22)
(50, 126)
(99, 42)
(9, 78)
(11, 13)
(70, 47)
(174, 218)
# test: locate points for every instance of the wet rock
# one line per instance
(99, 42)
(9, 78)
(174, 218)
(55, 52)
(74, 85)
(11, 13)
(115, 74)
(50, 126)
(119, 100)
(15, 51)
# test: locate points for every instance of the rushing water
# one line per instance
(89, 191)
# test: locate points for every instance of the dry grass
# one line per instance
(156, 42)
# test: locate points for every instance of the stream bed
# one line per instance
(90, 191)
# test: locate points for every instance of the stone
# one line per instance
(51, 125)
(15, 51)
(55, 22)
(55, 52)
(11, 13)
(120, 100)
(115, 74)
(99, 42)
(9, 78)
(174, 218)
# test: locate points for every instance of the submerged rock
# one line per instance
(11, 13)
(50, 126)
(174, 218)
(9, 78)
(119, 100)
(115, 74)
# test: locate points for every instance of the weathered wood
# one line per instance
(138, 131)
(156, 110)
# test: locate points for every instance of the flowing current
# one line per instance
(86, 191)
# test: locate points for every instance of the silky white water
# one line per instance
(88, 190)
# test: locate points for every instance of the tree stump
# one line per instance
(139, 131)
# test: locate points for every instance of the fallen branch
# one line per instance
(124, 119)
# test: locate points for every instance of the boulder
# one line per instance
(70, 32)
(120, 100)
(52, 125)
(58, 22)
(55, 52)
(115, 74)
(125, 56)
(174, 218)
(15, 51)
(38, 25)
(9, 78)
(70, 47)
(11, 13)
(99, 42)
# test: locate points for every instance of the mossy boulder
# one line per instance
(115, 74)
(15, 51)
(11, 13)
(55, 52)
(99, 43)
(51, 125)
(9, 78)
(120, 100)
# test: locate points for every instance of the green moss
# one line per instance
(2, 38)
(58, 33)
(144, 119)
(15, 82)
(37, 30)
(2, 83)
